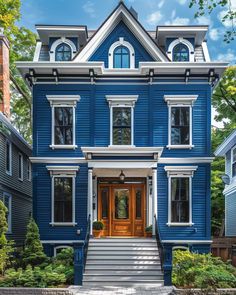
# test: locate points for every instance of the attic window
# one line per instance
(180, 53)
(181, 50)
(62, 49)
(121, 57)
(63, 52)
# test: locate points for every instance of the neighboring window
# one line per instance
(121, 58)
(234, 162)
(180, 199)
(7, 200)
(63, 120)
(180, 53)
(180, 195)
(121, 126)
(63, 52)
(8, 157)
(180, 127)
(20, 166)
(29, 171)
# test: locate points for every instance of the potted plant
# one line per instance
(97, 229)
(148, 231)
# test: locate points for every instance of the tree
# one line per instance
(228, 16)
(22, 43)
(33, 253)
(6, 247)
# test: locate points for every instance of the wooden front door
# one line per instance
(121, 207)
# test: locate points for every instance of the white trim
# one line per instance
(222, 149)
(62, 241)
(63, 146)
(154, 201)
(229, 189)
(129, 150)
(56, 43)
(37, 51)
(10, 157)
(178, 100)
(63, 223)
(180, 223)
(63, 100)
(57, 160)
(180, 170)
(124, 43)
(57, 170)
(29, 170)
(59, 247)
(176, 146)
(112, 164)
(205, 51)
(182, 41)
(21, 177)
(232, 162)
(9, 219)
(90, 198)
(122, 100)
(193, 160)
(187, 241)
(109, 25)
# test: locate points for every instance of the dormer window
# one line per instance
(63, 52)
(180, 53)
(121, 55)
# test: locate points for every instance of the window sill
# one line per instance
(63, 223)
(20, 179)
(189, 146)
(9, 173)
(63, 146)
(180, 224)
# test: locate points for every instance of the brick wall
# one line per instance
(4, 75)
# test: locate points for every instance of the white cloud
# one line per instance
(88, 7)
(182, 2)
(229, 56)
(214, 34)
(204, 20)
(173, 14)
(154, 18)
(178, 21)
(161, 3)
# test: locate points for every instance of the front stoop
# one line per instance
(123, 262)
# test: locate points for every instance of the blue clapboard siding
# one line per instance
(150, 117)
(230, 216)
(121, 30)
(42, 205)
(200, 206)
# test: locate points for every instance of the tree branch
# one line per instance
(20, 90)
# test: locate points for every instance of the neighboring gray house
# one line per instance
(15, 167)
(228, 150)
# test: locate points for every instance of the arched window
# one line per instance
(180, 52)
(121, 57)
(63, 52)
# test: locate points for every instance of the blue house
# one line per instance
(228, 150)
(122, 134)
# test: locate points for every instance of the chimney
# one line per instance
(4, 74)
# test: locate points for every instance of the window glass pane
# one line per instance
(63, 125)
(8, 156)
(138, 203)
(122, 204)
(180, 53)
(105, 203)
(63, 52)
(180, 125)
(20, 161)
(121, 126)
(63, 199)
(121, 58)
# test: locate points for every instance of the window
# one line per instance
(121, 119)
(180, 108)
(180, 128)
(29, 172)
(180, 53)
(180, 195)
(7, 200)
(8, 157)
(63, 52)
(63, 120)
(63, 194)
(121, 57)
(20, 167)
(234, 162)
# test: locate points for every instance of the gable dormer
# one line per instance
(59, 43)
(184, 43)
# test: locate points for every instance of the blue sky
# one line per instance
(151, 13)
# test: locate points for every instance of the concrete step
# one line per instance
(124, 262)
(122, 257)
(138, 284)
(123, 252)
(111, 272)
(120, 278)
(122, 248)
(127, 267)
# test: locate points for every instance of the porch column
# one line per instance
(154, 199)
(90, 198)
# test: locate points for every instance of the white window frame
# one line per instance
(29, 170)
(180, 172)
(181, 41)
(124, 43)
(119, 101)
(63, 171)
(10, 157)
(63, 101)
(21, 177)
(57, 43)
(232, 154)
(180, 101)
(60, 247)
(9, 219)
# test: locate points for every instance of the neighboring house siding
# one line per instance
(228, 163)
(199, 54)
(121, 30)
(230, 210)
(44, 53)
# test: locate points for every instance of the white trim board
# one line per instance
(194, 160)
(57, 160)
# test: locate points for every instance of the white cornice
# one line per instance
(180, 170)
(226, 144)
(57, 160)
(180, 99)
(194, 160)
(63, 99)
(62, 168)
(115, 100)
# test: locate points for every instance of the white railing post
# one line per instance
(154, 199)
(90, 198)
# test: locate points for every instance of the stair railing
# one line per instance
(159, 243)
(86, 240)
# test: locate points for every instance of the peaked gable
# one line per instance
(121, 13)
(121, 31)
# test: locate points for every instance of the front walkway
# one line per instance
(118, 290)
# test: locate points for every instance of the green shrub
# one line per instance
(203, 271)
(148, 229)
(66, 259)
(98, 225)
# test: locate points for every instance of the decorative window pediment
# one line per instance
(121, 100)
(180, 170)
(180, 99)
(62, 49)
(181, 50)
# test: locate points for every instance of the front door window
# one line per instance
(122, 204)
